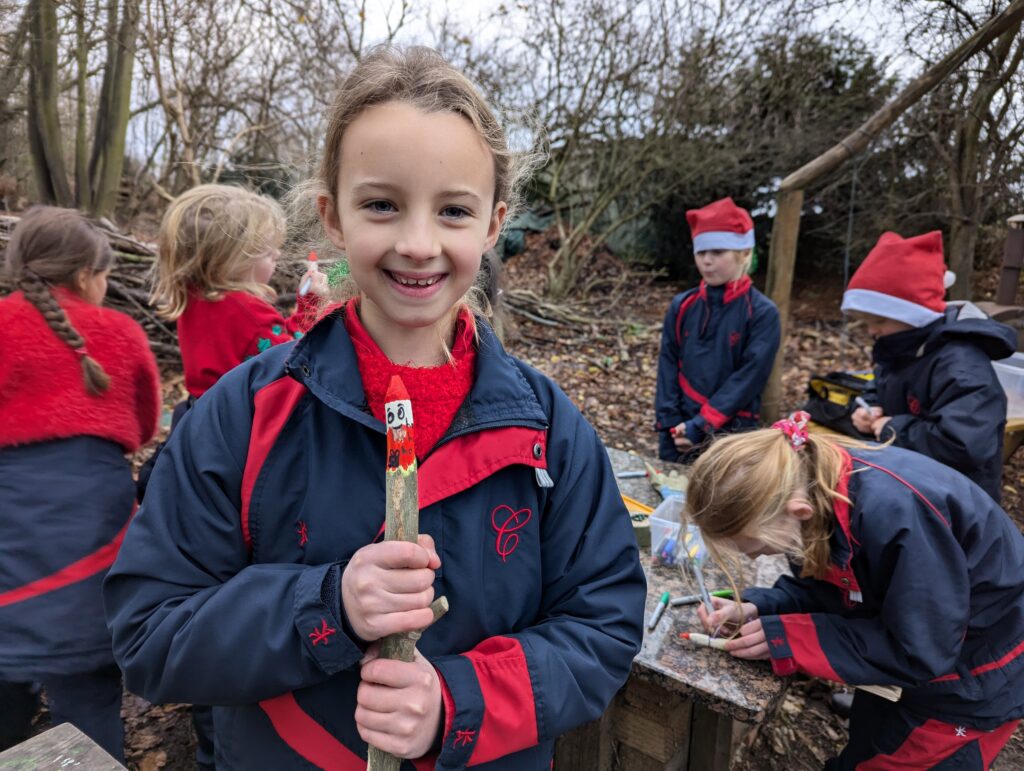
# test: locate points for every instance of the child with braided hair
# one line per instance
(910, 576)
(79, 388)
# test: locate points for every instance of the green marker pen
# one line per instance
(656, 616)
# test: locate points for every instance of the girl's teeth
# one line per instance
(416, 282)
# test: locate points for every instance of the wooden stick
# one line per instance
(401, 523)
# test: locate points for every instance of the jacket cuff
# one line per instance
(794, 636)
(332, 584)
(463, 711)
(695, 430)
(714, 418)
(317, 620)
(775, 634)
(783, 660)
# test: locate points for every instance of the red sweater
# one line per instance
(42, 393)
(218, 335)
(436, 393)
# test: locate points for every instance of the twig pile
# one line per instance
(128, 286)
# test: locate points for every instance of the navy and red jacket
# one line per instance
(218, 335)
(925, 592)
(227, 589)
(718, 345)
(938, 383)
(66, 491)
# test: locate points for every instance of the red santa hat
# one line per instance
(903, 279)
(721, 225)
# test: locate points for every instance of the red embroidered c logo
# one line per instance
(506, 522)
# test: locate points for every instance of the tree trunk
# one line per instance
(83, 190)
(109, 144)
(10, 75)
(963, 238)
(45, 141)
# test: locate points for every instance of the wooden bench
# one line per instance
(682, 707)
(61, 747)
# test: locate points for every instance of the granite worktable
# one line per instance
(683, 707)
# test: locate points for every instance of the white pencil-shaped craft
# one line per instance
(702, 639)
(312, 262)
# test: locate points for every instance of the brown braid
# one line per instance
(51, 247)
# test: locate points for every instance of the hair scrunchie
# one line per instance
(795, 428)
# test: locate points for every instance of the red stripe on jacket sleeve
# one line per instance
(802, 636)
(714, 418)
(510, 717)
(273, 406)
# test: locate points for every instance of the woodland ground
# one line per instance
(607, 366)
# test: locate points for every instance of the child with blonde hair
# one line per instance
(79, 388)
(719, 339)
(910, 576)
(254, 577)
(218, 247)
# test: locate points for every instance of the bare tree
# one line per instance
(974, 123)
(97, 182)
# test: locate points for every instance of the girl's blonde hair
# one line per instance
(51, 247)
(420, 77)
(208, 238)
(740, 487)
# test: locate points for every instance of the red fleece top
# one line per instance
(436, 393)
(42, 393)
(218, 335)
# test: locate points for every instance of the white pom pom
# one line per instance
(948, 279)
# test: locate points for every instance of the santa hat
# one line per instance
(721, 225)
(903, 279)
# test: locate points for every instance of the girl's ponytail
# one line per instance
(50, 247)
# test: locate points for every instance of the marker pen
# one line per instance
(309, 281)
(658, 611)
(693, 599)
(702, 639)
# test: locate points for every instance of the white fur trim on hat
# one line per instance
(887, 306)
(948, 279)
(723, 239)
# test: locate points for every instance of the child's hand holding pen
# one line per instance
(679, 437)
(313, 282)
(865, 416)
(727, 618)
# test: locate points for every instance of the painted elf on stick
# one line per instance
(402, 523)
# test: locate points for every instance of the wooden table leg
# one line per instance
(711, 743)
(587, 748)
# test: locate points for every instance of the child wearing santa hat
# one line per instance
(719, 339)
(935, 389)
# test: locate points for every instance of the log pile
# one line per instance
(128, 286)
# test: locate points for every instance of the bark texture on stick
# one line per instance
(401, 523)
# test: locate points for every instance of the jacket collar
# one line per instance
(728, 292)
(325, 362)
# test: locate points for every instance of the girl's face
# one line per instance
(720, 266)
(263, 267)
(91, 285)
(414, 214)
